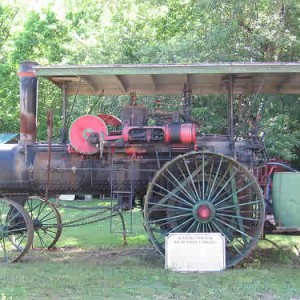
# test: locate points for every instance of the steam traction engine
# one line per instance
(184, 181)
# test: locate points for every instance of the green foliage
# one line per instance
(7, 15)
(282, 126)
(153, 31)
(43, 39)
(9, 101)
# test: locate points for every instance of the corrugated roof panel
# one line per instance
(263, 78)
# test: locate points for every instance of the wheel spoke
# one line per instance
(223, 185)
(170, 218)
(21, 237)
(209, 227)
(235, 193)
(168, 206)
(235, 205)
(16, 215)
(192, 225)
(208, 185)
(227, 239)
(181, 225)
(43, 243)
(235, 216)
(45, 216)
(221, 181)
(46, 220)
(215, 178)
(31, 208)
(172, 193)
(230, 234)
(43, 205)
(203, 176)
(182, 201)
(235, 229)
(49, 232)
(17, 231)
(197, 229)
(234, 222)
(42, 213)
(191, 179)
(178, 184)
(190, 193)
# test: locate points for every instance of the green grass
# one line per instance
(92, 263)
(102, 234)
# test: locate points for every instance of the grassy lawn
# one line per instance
(92, 263)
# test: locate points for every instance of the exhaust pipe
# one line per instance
(28, 102)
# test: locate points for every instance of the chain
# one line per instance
(72, 223)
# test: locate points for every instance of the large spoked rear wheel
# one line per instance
(46, 221)
(205, 192)
(16, 231)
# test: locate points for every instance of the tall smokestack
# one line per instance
(28, 102)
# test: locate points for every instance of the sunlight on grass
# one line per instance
(105, 234)
(92, 263)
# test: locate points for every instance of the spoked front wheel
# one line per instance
(202, 192)
(16, 231)
(46, 221)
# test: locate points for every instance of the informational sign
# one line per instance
(195, 252)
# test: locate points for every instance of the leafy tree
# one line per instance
(155, 31)
(8, 83)
(43, 39)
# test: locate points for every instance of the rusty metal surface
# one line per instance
(49, 132)
(28, 103)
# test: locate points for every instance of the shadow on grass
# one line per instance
(144, 256)
(139, 256)
(272, 256)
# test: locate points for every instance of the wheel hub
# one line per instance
(204, 211)
(37, 224)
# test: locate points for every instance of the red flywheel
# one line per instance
(81, 131)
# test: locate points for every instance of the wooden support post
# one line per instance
(230, 109)
(64, 131)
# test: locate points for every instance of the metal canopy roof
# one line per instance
(154, 79)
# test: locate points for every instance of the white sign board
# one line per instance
(195, 252)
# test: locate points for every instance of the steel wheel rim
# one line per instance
(205, 192)
(16, 231)
(46, 221)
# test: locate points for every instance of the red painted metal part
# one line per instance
(82, 128)
(203, 212)
(265, 174)
(110, 120)
(187, 134)
(26, 74)
(174, 133)
(135, 150)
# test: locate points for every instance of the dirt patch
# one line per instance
(107, 255)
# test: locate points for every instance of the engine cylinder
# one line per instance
(172, 133)
(181, 133)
